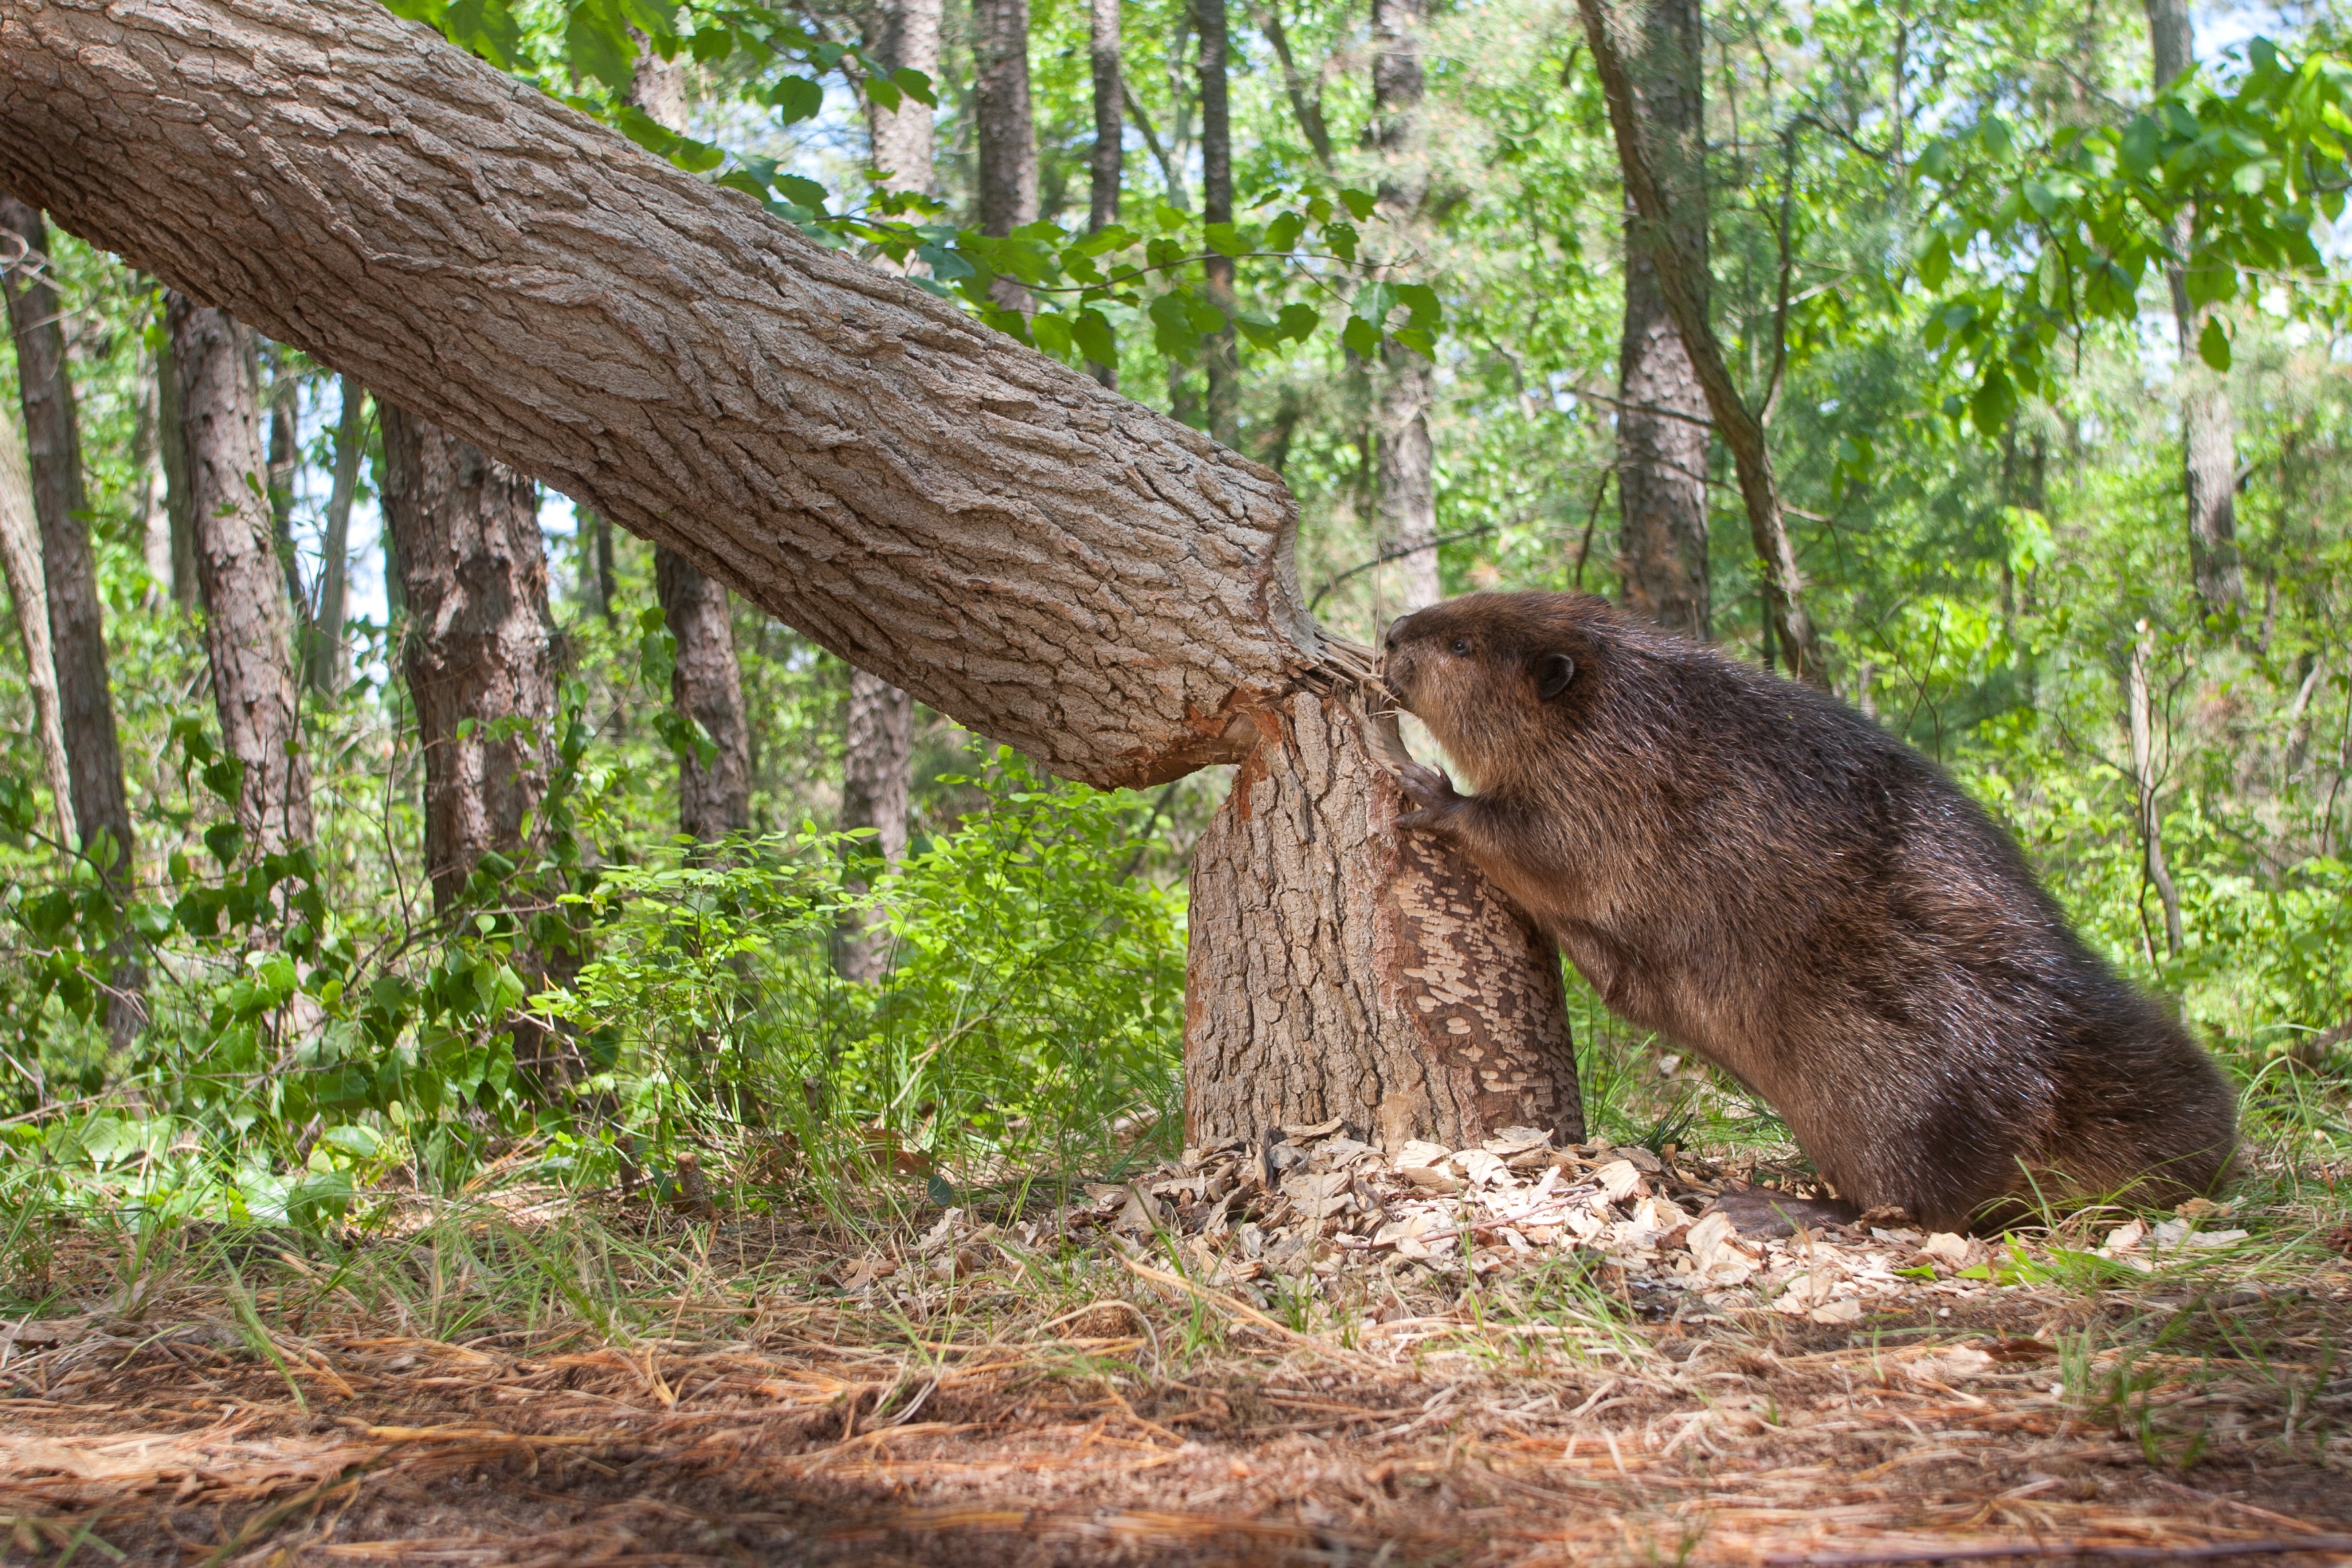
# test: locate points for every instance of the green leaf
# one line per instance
(597, 44)
(224, 839)
(2141, 146)
(915, 85)
(1363, 338)
(2248, 180)
(801, 191)
(1052, 332)
(1172, 332)
(1995, 401)
(1421, 299)
(2213, 344)
(1299, 322)
(1091, 334)
(1935, 260)
(1225, 239)
(1993, 132)
(1359, 202)
(1284, 231)
(796, 98)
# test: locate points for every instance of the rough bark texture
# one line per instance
(20, 558)
(1682, 280)
(2208, 425)
(329, 656)
(1406, 473)
(906, 38)
(1004, 126)
(1662, 429)
(1342, 968)
(880, 740)
(714, 797)
(1056, 566)
(69, 573)
(480, 642)
(1221, 352)
(248, 627)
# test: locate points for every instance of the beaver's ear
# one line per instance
(1553, 672)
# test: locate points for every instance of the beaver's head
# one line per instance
(1492, 675)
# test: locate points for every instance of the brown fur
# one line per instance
(1758, 873)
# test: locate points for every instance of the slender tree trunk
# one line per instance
(479, 644)
(879, 746)
(1662, 427)
(1221, 351)
(1053, 564)
(1308, 107)
(179, 504)
(20, 556)
(330, 655)
(1319, 932)
(714, 790)
(1105, 166)
(2208, 425)
(1406, 476)
(248, 626)
(285, 464)
(906, 38)
(153, 516)
(102, 812)
(2151, 821)
(1682, 280)
(1006, 129)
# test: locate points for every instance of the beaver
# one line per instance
(1766, 878)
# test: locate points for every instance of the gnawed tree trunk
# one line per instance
(1682, 282)
(1057, 567)
(478, 657)
(1405, 476)
(68, 570)
(1342, 968)
(248, 625)
(2208, 425)
(1662, 425)
(28, 593)
(714, 786)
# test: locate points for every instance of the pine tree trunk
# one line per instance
(1662, 427)
(1342, 968)
(1221, 352)
(479, 644)
(28, 593)
(714, 793)
(248, 627)
(1005, 127)
(1405, 476)
(102, 812)
(906, 38)
(2208, 425)
(1105, 166)
(330, 656)
(1682, 280)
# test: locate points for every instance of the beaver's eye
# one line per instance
(1461, 644)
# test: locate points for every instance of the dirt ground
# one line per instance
(971, 1392)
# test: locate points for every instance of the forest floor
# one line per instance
(1507, 1355)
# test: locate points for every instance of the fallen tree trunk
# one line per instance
(1056, 566)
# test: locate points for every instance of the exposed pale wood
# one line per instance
(1341, 967)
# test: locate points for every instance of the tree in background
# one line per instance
(1221, 351)
(1407, 479)
(327, 656)
(248, 621)
(714, 754)
(1004, 128)
(1106, 164)
(28, 596)
(1661, 417)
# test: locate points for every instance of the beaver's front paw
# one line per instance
(1432, 793)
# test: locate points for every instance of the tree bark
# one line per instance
(1405, 475)
(478, 656)
(285, 463)
(20, 557)
(1662, 426)
(879, 744)
(906, 38)
(68, 570)
(248, 626)
(330, 655)
(1341, 967)
(1105, 167)
(1006, 129)
(1221, 349)
(2208, 425)
(179, 504)
(1054, 566)
(153, 516)
(1682, 280)
(714, 794)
